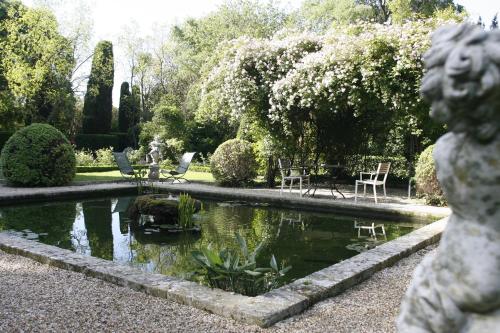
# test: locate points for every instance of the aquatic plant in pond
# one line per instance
(186, 209)
(238, 272)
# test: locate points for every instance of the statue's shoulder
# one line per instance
(447, 145)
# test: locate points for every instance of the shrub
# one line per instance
(135, 156)
(426, 181)
(234, 162)
(4, 136)
(96, 141)
(84, 158)
(38, 155)
(104, 157)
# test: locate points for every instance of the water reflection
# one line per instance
(79, 238)
(101, 228)
(97, 215)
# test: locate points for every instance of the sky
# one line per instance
(111, 16)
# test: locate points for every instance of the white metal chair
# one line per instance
(376, 178)
(291, 174)
(371, 227)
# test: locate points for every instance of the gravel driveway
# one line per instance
(36, 297)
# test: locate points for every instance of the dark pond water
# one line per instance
(101, 228)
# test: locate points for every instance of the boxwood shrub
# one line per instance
(38, 155)
(234, 163)
(426, 180)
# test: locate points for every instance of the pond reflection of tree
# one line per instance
(171, 255)
(97, 216)
(55, 221)
(165, 254)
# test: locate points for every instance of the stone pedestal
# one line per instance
(154, 173)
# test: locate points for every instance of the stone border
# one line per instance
(16, 195)
(263, 310)
(387, 211)
(396, 212)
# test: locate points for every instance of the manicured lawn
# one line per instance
(115, 175)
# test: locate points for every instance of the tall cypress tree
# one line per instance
(125, 112)
(97, 108)
(494, 22)
(136, 104)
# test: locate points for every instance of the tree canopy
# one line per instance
(36, 65)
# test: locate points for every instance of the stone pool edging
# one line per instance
(16, 195)
(263, 310)
(395, 212)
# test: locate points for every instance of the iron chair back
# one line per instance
(123, 163)
(184, 162)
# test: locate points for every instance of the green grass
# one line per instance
(115, 175)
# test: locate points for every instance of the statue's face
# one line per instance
(462, 81)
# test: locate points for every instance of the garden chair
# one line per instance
(291, 174)
(126, 169)
(376, 178)
(180, 171)
(371, 227)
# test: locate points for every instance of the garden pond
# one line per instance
(307, 241)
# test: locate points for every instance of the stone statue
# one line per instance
(458, 289)
(155, 153)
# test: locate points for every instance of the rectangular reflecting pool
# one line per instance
(307, 241)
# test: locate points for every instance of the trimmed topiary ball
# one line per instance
(426, 180)
(234, 163)
(38, 155)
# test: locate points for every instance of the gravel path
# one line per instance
(36, 297)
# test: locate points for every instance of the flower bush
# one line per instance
(349, 91)
(234, 163)
(38, 155)
(103, 157)
(84, 158)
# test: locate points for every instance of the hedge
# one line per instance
(123, 140)
(97, 141)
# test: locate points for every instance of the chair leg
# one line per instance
(179, 179)
(364, 190)
(291, 185)
(356, 191)
(282, 185)
(300, 186)
(375, 192)
(385, 193)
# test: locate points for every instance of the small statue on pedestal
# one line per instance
(154, 155)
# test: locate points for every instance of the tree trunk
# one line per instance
(270, 172)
